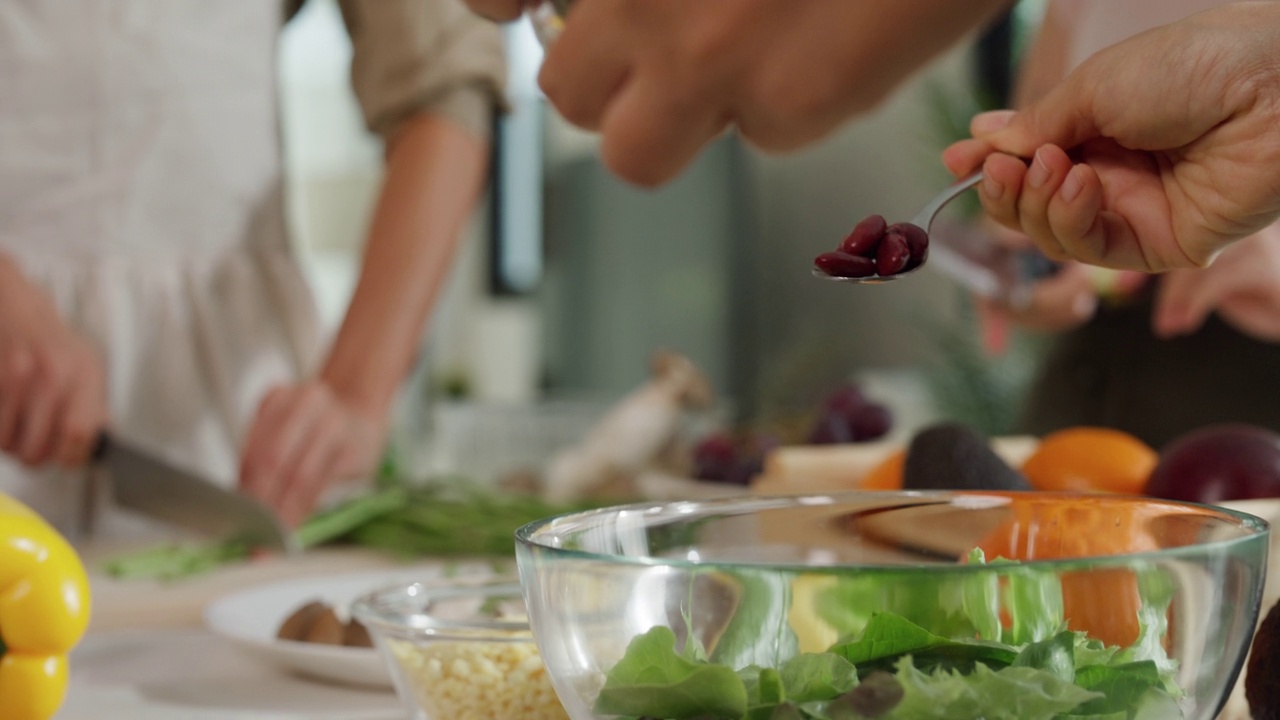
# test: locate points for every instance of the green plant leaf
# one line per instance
(817, 676)
(652, 680)
(1034, 601)
(981, 599)
(1055, 656)
(1120, 686)
(1012, 693)
(888, 637)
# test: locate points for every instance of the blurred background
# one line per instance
(571, 280)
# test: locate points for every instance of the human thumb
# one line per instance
(1063, 118)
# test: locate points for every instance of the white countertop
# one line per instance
(194, 675)
(147, 655)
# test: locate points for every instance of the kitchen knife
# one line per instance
(154, 488)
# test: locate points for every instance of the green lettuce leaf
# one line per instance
(1055, 656)
(888, 637)
(818, 676)
(981, 599)
(1120, 686)
(1012, 693)
(652, 680)
(1034, 600)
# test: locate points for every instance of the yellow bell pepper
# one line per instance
(44, 611)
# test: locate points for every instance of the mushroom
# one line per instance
(296, 626)
(356, 635)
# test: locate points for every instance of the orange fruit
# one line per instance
(1089, 459)
(1103, 602)
(887, 475)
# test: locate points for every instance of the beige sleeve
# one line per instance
(432, 56)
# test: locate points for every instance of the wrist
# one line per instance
(359, 391)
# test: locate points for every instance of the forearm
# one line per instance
(435, 171)
(11, 278)
(910, 33)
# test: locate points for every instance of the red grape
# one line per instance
(831, 429)
(713, 458)
(847, 416)
(870, 422)
(722, 458)
(845, 400)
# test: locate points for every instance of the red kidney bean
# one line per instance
(893, 255)
(887, 250)
(839, 264)
(917, 242)
(865, 237)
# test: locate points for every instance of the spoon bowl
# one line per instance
(924, 220)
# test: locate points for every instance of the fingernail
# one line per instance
(1169, 324)
(1129, 281)
(1084, 305)
(989, 122)
(1038, 174)
(991, 188)
(1071, 186)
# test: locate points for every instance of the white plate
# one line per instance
(250, 619)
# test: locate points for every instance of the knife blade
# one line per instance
(159, 490)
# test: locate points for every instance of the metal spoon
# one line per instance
(977, 261)
(923, 220)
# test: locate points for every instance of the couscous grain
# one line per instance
(455, 680)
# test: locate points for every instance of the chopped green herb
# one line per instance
(440, 519)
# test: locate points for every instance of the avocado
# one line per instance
(951, 456)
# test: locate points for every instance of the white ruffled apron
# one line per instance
(140, 185)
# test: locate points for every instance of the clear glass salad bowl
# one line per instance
(901, 606)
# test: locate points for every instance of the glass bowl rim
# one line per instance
(1259, 531)
(366, 609)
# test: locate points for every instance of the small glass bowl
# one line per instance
(461, 649)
